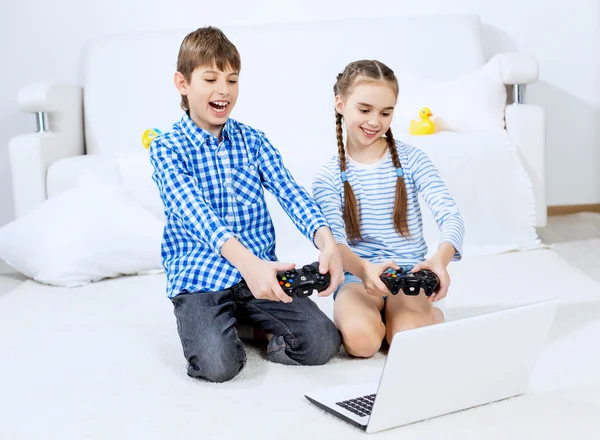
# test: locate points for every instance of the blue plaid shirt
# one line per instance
(212, 192)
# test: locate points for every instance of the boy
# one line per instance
(210, 171)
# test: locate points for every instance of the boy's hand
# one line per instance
(330, 260)
(261, 278)
(370, 277)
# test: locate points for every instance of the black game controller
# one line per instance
(411, 283)
(302, 282)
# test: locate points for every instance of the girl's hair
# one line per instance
(355, 72)
(206, 46)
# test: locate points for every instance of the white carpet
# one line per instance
(9, 279)
(104, 361)
(576, 238)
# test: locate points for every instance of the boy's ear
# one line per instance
(339, 104)
(180, 83)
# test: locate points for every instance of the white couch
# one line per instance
(489, 152)
(286, 90)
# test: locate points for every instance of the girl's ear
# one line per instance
(339, 104)
(180, 83)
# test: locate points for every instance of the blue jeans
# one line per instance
(348, 278)
(302, 333)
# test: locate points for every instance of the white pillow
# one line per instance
(85, 234)
(471, 103)
(486, 178)
(135, 171)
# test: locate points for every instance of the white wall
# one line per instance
(43, 40)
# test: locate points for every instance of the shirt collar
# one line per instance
(200, 137)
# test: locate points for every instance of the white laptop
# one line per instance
(448, 367)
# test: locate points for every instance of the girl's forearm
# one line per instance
(352, 262)
(445, 253)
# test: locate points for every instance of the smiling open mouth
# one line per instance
(219, 106)
(369, 132)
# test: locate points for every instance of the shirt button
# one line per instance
(227, 182)
(229, 219)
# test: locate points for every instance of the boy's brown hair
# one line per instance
(370, 70)
(206, 46)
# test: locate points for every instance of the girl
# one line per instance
(369, 195)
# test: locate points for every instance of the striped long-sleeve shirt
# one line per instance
(374, 187)
(213, 191)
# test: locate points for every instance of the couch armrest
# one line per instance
(30, 155)
(518, 68)
(48, 97)
(526, 127)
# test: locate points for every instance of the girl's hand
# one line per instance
(437, 266)
(370, 277)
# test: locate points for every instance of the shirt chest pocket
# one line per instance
(246, 184)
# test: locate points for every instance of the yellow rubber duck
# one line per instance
(424, 126)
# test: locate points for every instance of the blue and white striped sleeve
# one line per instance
(182, 197)
(295, 200)
(436, 195)
(329, 200)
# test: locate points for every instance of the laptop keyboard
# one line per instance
(361, 406)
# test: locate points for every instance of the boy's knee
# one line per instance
(221, 365)
(321, 342)
(215, 374)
